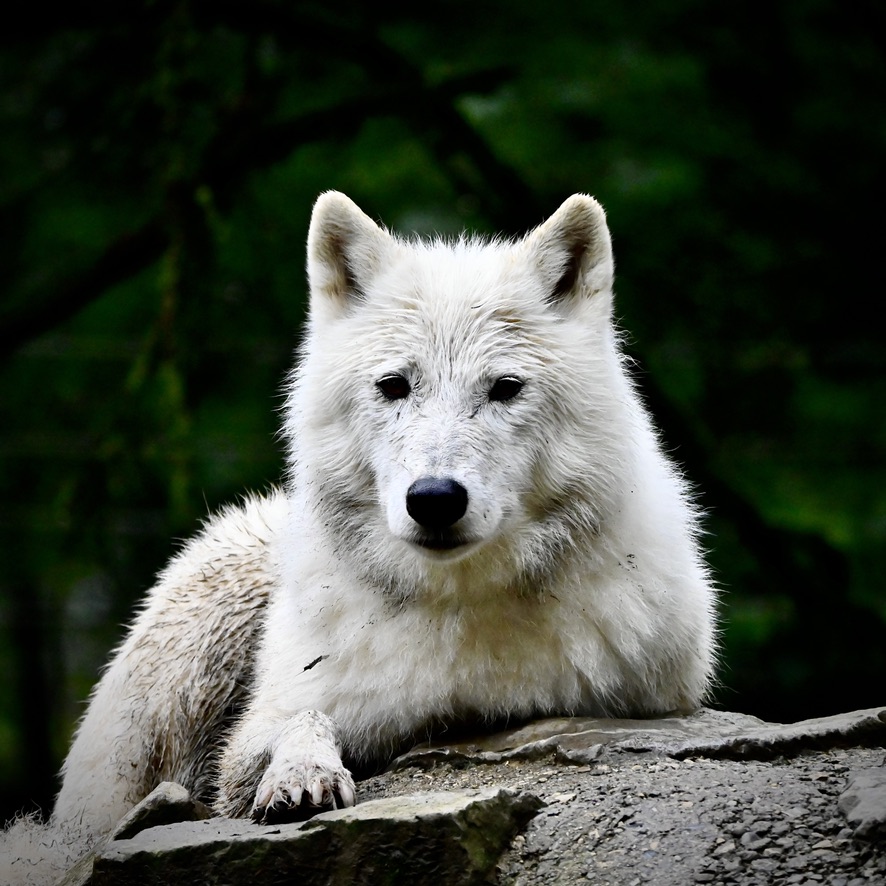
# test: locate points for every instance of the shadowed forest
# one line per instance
(158, 165)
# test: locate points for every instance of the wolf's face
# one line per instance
(450, 394)
(447, 391)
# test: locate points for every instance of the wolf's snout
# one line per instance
(436, 503)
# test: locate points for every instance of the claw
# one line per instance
(262, 799)
(347, 795)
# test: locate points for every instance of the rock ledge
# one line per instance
(711, 798)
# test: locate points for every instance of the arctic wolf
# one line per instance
(478, 523)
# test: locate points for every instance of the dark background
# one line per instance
(159, 163)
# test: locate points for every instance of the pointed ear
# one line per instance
(573, 251)
(346, 249)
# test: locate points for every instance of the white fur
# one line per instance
(576, 587)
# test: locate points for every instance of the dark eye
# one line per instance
(506, 388)
(393, 387)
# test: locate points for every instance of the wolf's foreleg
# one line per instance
(283, 767)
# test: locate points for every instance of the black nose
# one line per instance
(436, 503)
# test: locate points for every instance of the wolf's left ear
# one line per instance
(573, 251)
(346, 249)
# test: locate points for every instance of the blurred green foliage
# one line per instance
(159, 162)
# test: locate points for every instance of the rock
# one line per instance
(168, 803)
(80, 873)
(442, 837)
(766, 740)
(709, 798)
(655, 800)
(864, 802)
(707, 733)
(579, 739)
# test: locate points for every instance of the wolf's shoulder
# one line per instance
(233, 557)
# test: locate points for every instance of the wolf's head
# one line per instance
(459, 405)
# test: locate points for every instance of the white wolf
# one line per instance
(478, 523)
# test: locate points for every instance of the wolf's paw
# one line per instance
(296, 791)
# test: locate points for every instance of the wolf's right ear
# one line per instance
(573, 251)
(346, 249)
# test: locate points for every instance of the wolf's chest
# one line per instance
(394, 675)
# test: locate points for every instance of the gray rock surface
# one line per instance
(864, 802)
(630, 818)
(712, 798)
(706, 733)
(168, 803)
(435, 837)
